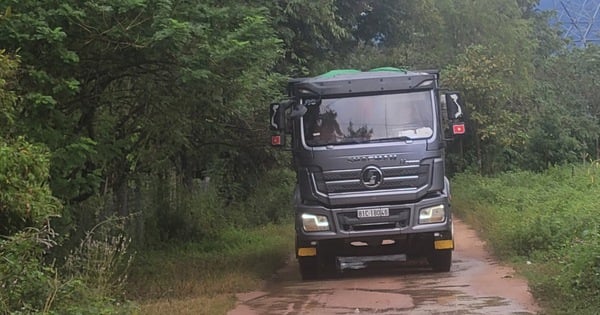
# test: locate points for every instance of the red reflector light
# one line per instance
(458, 129)
(276, 140)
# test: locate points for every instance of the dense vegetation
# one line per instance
(556, 238)
(131, 124)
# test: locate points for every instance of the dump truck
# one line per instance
(368, 149)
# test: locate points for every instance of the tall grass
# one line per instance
(90, 282)
(215, 248)
(546, 222)
(208, 273)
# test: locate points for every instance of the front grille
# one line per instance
(393, 178)
(350, 222)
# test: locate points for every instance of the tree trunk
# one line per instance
(597, 148)
(122, 194)
(140, 218)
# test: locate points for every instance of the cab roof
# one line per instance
(351, 81)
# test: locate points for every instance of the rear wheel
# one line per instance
(440, 260)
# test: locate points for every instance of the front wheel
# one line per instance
(440, 260)
(309, 267)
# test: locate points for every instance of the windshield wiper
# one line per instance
(363, 140)
(390, 139)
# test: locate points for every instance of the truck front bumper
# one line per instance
(398, 233)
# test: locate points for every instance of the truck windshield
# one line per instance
(375, 118)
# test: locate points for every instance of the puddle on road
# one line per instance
(380, 291)
(370, 302)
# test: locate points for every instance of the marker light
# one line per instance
(458, 129)
(276, 140)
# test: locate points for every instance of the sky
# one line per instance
(579, 18)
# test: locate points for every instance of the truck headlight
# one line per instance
(314, 223)
(435, 214)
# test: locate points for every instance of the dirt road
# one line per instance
(475, 285)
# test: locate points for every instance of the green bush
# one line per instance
(25, 198)
(91, 282)
(31, 284)
(270, 201)
(173, 213)
(192, 215)
(27, 284)
(548, 219)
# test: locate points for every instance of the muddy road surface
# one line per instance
(475, 285)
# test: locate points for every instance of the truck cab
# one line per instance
(368, 151)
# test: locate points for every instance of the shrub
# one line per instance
(24, 280)
(270, 201)
(91, 282)
(30, 284)
(101, 260)
(25, 198)
(549, 219)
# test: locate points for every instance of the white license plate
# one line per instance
(371, 213)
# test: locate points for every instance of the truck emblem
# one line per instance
(376, 157)
(371, 177)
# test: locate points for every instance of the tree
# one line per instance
(495, 120)
(105, 82)
(25, 197)
(567, 109)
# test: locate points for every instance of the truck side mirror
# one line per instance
(276, 117)
(454, 107)
(277, 123)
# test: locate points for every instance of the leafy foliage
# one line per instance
(548, 219)
(8, 98)
(33, 286)
(25, 198)
(154, 110)
(487, 78)
(29, 284)
(571, 99)
(122, 92)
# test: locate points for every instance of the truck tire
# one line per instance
(309, 267)
(440, 260)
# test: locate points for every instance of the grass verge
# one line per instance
(202, 278)
(547, 225)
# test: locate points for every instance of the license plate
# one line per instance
(371, 213)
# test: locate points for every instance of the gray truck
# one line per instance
(368, 151)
